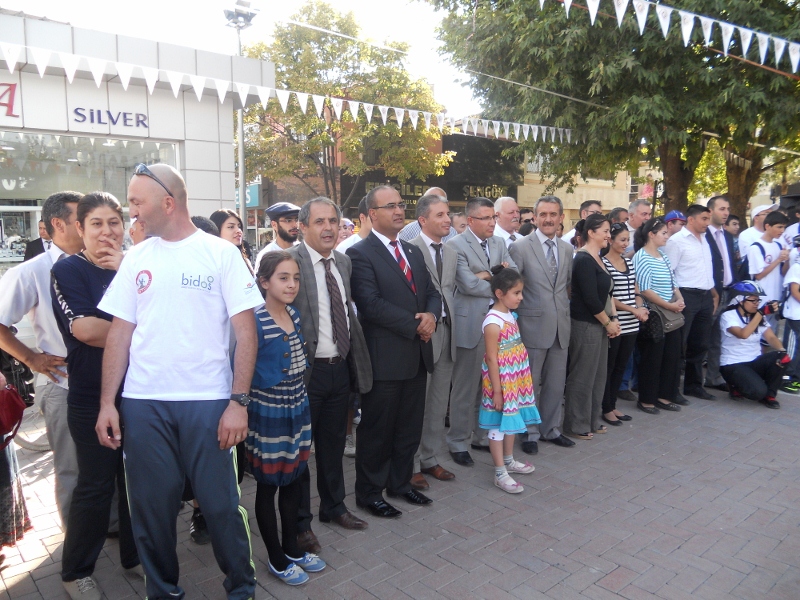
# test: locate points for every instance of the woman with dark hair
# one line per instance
(594, 321)
(231, 229)
(577, 240)
(660, 360)
(630, 309)
(79, 282)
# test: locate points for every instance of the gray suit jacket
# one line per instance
(446, 289)
(308, 305)
(544, 310)
(473, 295)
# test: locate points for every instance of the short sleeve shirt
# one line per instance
(758, 261)
(791, 309)
(733, 349)
(654, 274)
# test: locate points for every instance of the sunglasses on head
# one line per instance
(141, 169)
(617, 226)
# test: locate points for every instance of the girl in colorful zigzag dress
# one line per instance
(508, 405)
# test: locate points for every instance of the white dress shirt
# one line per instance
(428, 241)
(691, 260)
(543, 241)
(326, 348)
(506, 236)
(567, 237)
(351, 241)
(26, 289)
(722, 245)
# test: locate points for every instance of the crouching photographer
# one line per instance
(747, 371)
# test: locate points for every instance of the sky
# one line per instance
(201, 24)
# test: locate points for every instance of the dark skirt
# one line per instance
(14, 520)
(279, 432)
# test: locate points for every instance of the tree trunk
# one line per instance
(743, 172)
(678, 175)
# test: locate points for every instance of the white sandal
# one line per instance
(520, 467)
(507, 484)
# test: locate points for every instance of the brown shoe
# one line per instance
(418, 482)
(439, 472)
(347, 520)
(308, 542)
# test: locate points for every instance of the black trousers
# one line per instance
(699, 315)
(100, 472)
(329, 397)
(389, 435)
(756, 379)
(659, 367)
(620, 349)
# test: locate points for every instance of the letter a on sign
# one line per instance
(8, 92)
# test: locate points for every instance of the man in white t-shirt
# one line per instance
(768, 259)
(174, 300)
(756, 230)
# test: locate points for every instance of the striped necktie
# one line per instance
(403, 265)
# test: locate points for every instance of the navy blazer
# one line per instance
(274, 351)
(716, 260)
(386, 307)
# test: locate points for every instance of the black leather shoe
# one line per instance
(462, 458)
(625, 418)
(681, 400)
(671, 406)
(412, 497)
(561, 440)
(699, 393)
(616, 423)
(479, 447)
(380, 508)
(627, 395)
(530, 447)
(650, 410)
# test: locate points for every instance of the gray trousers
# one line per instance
(53, 402)
(436, 396)
(586, 381)
(713, 376)
(465, 399)
(549, 372)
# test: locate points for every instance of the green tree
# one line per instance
(639, 95)
(314, 151)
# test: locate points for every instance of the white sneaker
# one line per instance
(357, 417)
(349, 447)
(82, 589)
(520, 467)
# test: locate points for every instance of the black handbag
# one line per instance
(653, 328)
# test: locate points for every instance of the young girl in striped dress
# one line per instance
(507, 405)
(279, 429)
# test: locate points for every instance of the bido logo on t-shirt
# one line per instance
(198, 282)
(143, 281)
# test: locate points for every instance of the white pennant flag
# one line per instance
(620, 6)
(399, 114)
(593, 6)
(746, 36)
(561, 135)
(569, 135)
(283, 99)
(243, 89)
(780, 46)
(687, 24)
(124, 70)
(641, 7)
(427, 117)
(263, 95)
(664, 13)
(763, 45)
(506, 126)
(474, 123)
(496, 128)
(302, 100)
(541, 4)
(98, 67)
(552, 135)
(708, 28)
(175, 81)
(70, 63)
(338, 105)
(526, 130)
(535, 131)
(41, 57)
(11, 54)
(441, 121)
(485, 127)
(794, 55)
(198, 85)
(452, 123)
(465, 125)
(413, 116)
(319, 104)
(353, 106)
(150, 77)
(368, 108)
(516, 130)
(727, 34)
(384, 110)
(567, 4)
(222, 89)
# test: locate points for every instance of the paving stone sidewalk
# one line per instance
(704, 503)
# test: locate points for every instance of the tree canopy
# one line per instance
(649, 98)
(312, 150)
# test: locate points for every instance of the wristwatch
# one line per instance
(242, 399)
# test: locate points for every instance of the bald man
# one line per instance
(412, 230)
(174, 300)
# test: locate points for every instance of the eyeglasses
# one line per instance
(753, 300)
(526, 221)
(141, 169)
(288, 220)
(393, 206)
(484, 218)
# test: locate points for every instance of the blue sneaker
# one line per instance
(293, 575)
(310, 562)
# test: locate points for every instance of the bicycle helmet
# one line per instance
(748, 287)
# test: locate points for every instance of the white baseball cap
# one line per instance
(757, 210)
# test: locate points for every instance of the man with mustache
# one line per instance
(507, 213)
(284, 222)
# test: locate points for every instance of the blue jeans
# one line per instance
(630, 379)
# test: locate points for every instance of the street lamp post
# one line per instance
(241, 17)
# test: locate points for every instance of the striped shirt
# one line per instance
(654, 274)
(624, 291)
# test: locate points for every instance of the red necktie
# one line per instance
(403, 265)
